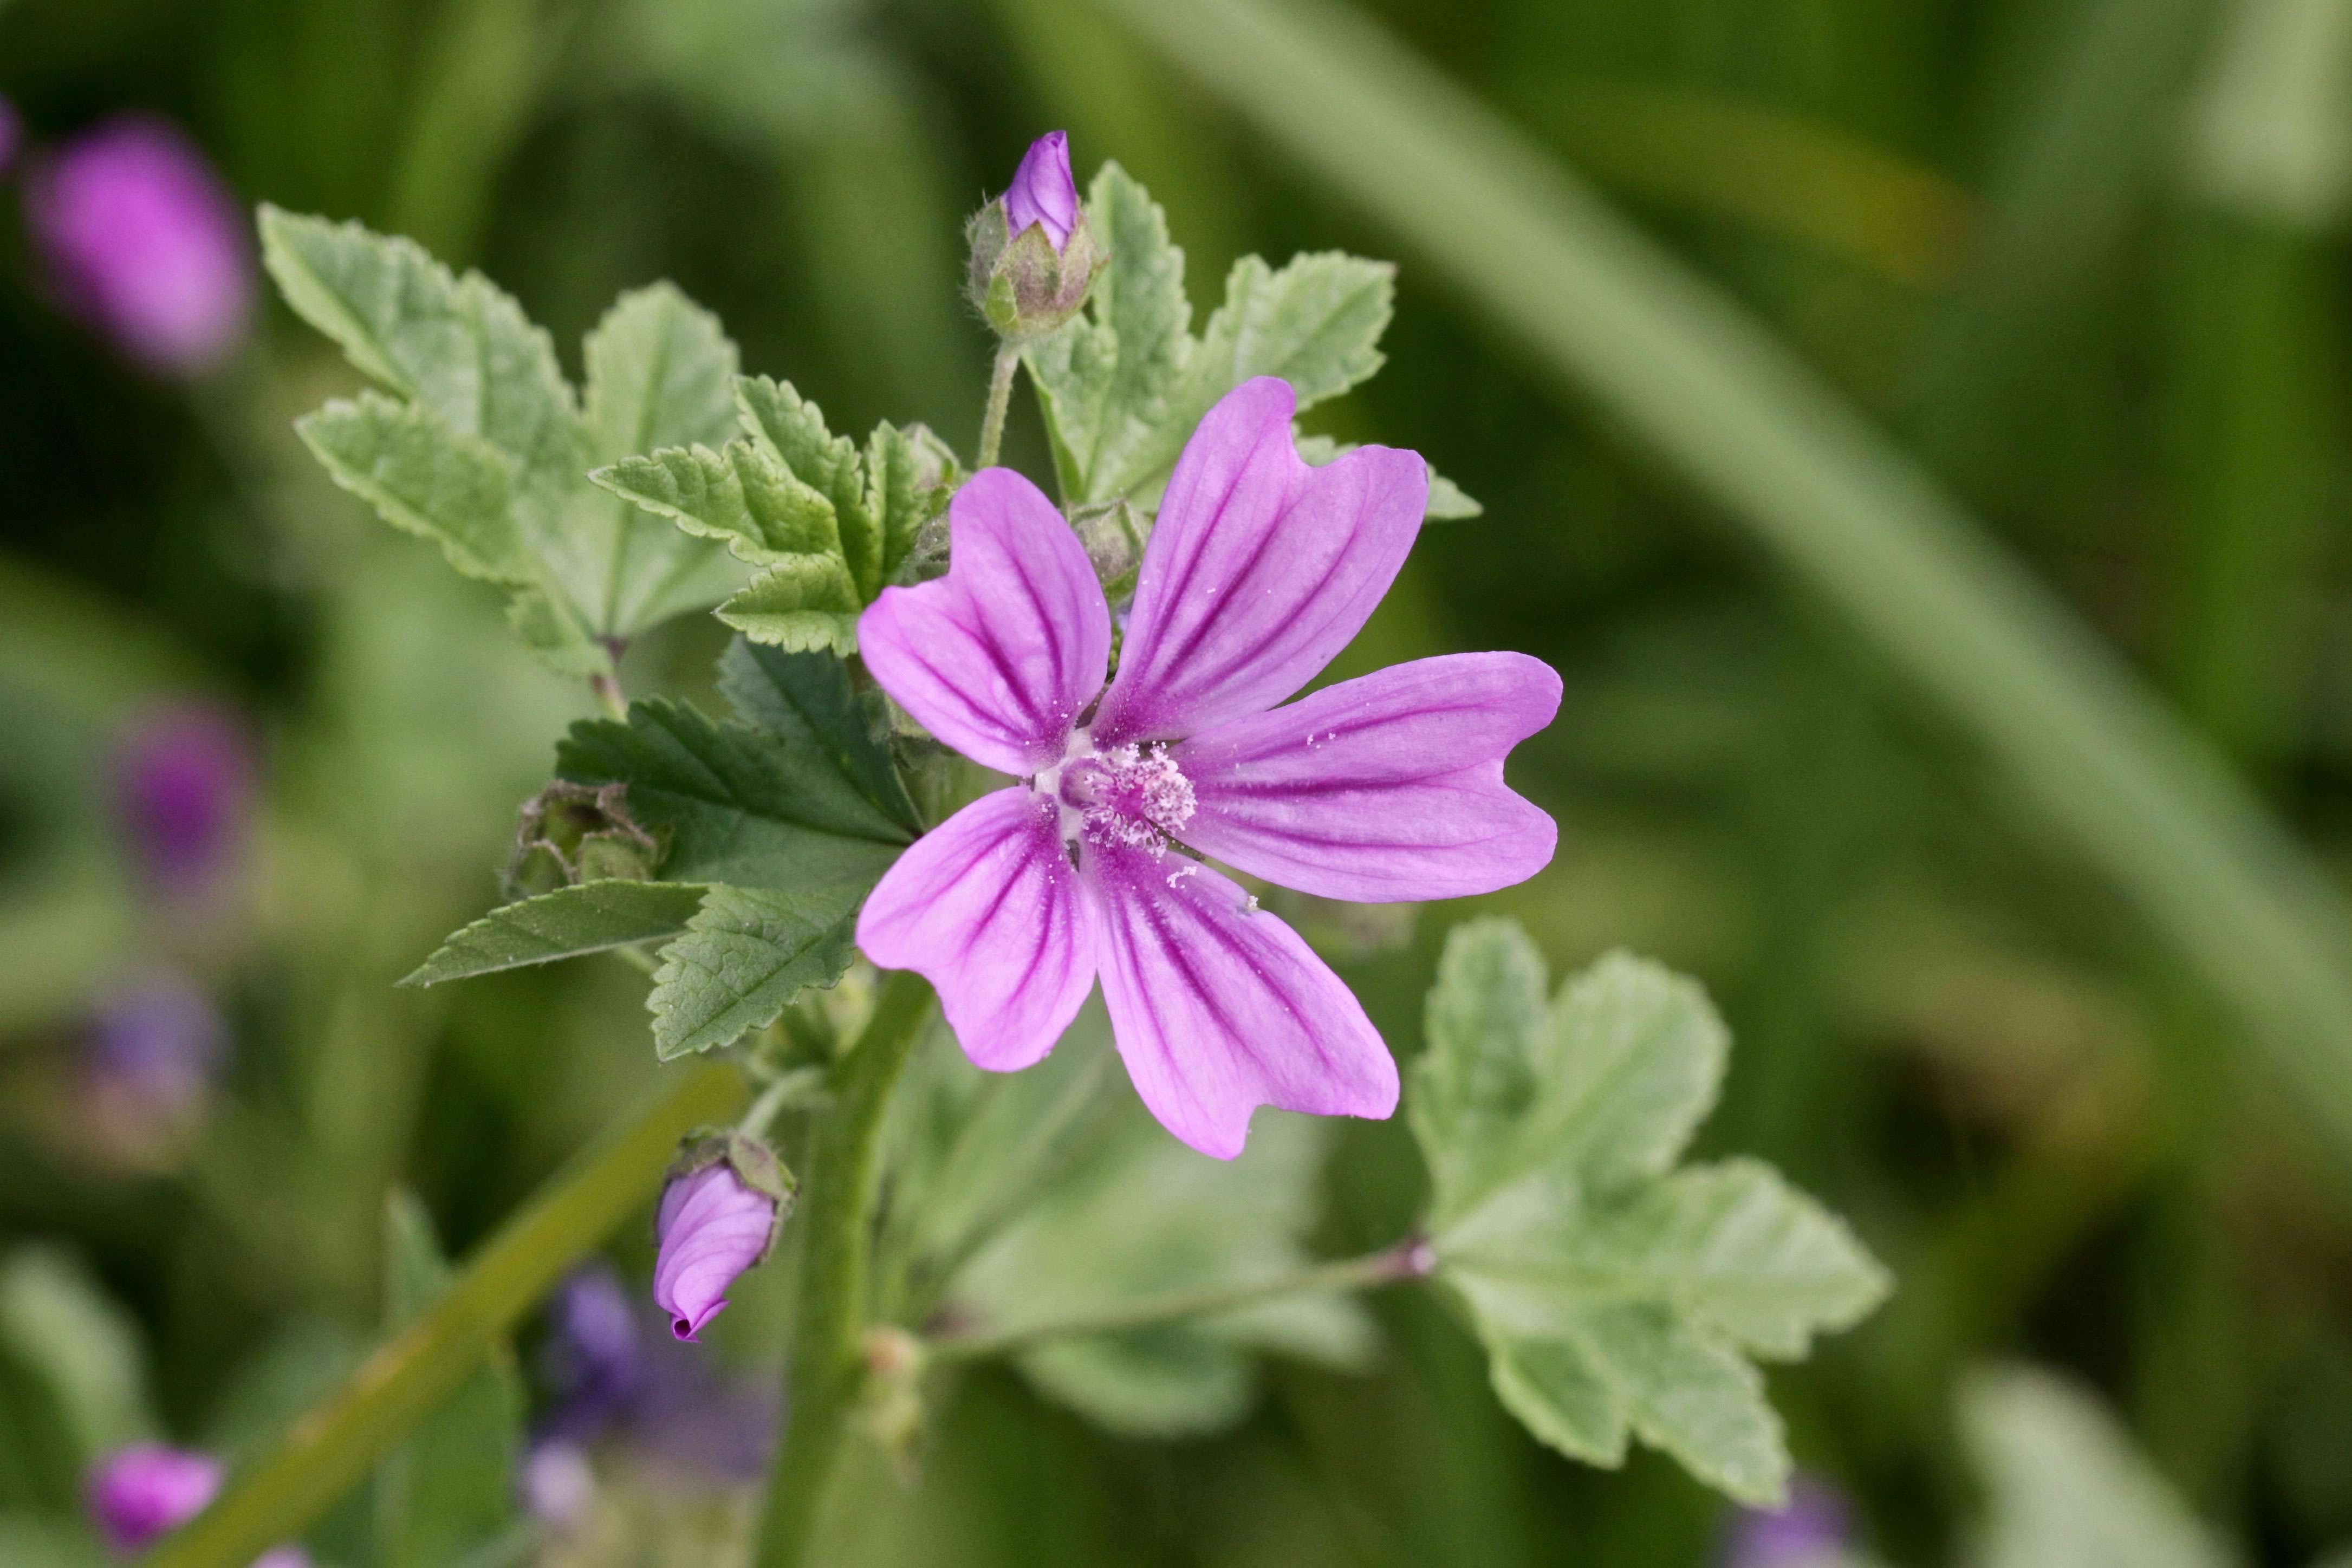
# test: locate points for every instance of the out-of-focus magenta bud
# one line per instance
(727, 1199)
(1033, 254)
(183, 782)
(12, 136)
(1043, 191)
(156, 1044)
(140, 238)
(139, 1494)
(1816, 1527)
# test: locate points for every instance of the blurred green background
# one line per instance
(2080, 262)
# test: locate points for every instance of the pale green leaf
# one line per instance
(593, 917)
(422, 476)
(1105, 379)
(2066, 1487)
(795, 431)
(449, 1488)
(803, 606)
(743, 495)
(909, 474)
(484, 446)
(661, 373)
(1617, 1296)
(746, 956)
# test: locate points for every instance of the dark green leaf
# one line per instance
(805, 701)
(593, 917)
(746, 956)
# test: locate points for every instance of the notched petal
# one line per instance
(1219, 1008)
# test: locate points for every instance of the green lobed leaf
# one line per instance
(1139, 1216)
(2065, 1486)
(805, 700)
(483, 445)
(448, 1489)
(661, 373)
(1617, 1295)
(790, 824)
(1124, 384)
(592, 917)
(747, 955)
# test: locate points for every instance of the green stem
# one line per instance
(1408, 1260)
(1000, 399)
(836, 1241)
(331, 1447)
(607, 688)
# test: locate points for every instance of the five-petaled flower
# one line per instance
(1384, 789)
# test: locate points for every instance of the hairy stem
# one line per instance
(1000, 399)
(330, 1450)
(838, 1221)
(1408, 1259)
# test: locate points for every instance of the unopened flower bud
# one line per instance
(726, 1201)
(1033, 252)
(142, 239)
(140, 1494)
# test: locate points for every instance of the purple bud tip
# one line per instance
(711, 1227)
(183, 786)
(140, 238)
(1815, 1525)
(143, 1492)
(1043, 191)
(12, 136)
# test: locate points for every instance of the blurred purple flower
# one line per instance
(594, 1361)
(711, 1227)
(155, 1044)
(145, 1491)
(12, 136)
(559, 1486)
(615, 1375)
(1815, 1528)
(1043, 191)
(184, 785)
(142, 239)
(283, 1557)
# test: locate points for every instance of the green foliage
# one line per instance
(825, 526)
(772, 828)
(1045, 1194)
(1619, 1293)
(591, 918)
(448, 1489)
(70, 1383)
(2066, 1487)
(480, 444)
(1124, 384)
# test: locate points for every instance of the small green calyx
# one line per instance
(755, 1165)
(571, 833)
(1020, 282)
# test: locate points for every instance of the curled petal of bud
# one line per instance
(1043, 191)
(145, 1491)
(712, 1227)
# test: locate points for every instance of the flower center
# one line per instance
(1129, 795)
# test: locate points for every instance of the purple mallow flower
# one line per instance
(1815, 1528)
(1043, 191)
(184, 786)
(139, 1494)
(1388, 787)
(156, 1044)
(142, 239)
(711, 1227)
